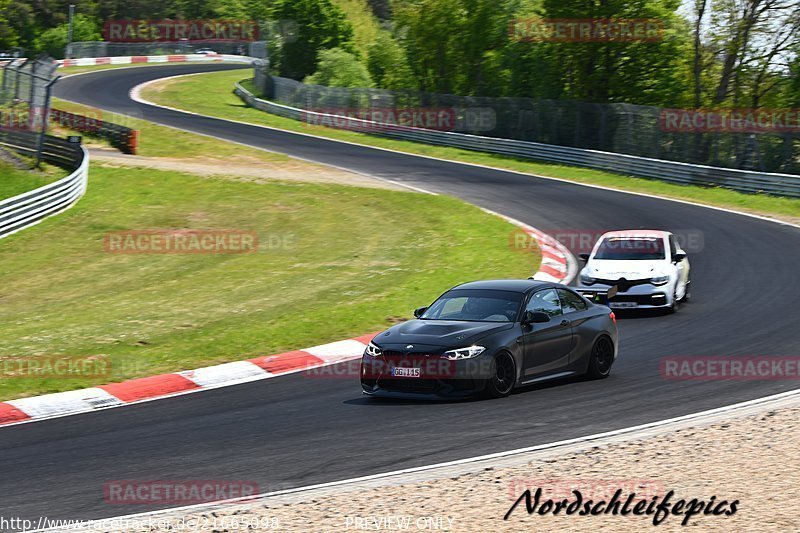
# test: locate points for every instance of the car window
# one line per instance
(545, 301)
(672, 248)
(452, 307)
(631, 248)
(571, 302)
(479, 305)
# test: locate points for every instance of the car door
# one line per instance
(546, 345)
(577, 312)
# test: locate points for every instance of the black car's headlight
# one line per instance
(464, 353)
(373, 351)
(659, 280)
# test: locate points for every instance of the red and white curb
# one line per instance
(187, 381)
(125, 60)
(558, 264)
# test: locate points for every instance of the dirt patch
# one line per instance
(752, 460)
(245, 168)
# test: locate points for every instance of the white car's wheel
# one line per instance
(687, 293)
(676, 303)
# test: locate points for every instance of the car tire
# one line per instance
(688, 293)
(676, 304)
(504, 372)
(601, 358)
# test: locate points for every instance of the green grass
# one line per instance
(354, 258)
(211, 94)
(14, 181)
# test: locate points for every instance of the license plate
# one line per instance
(622, 305)
(406, 372)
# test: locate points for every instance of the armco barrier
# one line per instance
(121, 137)
(176, 58)
(31, 207)
(669, 171)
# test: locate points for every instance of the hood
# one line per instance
(445, 333)
(619, 268)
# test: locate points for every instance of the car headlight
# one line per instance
(659, 280)
(586, 279)
(464, 353)
(373, 351)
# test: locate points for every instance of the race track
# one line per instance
(293, 431)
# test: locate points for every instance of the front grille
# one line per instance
(396, 354)
(642, 299)
(623, 285)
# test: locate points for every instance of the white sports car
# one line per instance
(636, 269)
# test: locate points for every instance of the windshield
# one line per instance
(631, 248)
(475, 306)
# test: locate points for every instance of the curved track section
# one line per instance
(293, 431)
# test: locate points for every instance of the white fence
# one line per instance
(669, 171)
(29, 208)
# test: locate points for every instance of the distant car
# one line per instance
(489, 337)
(205, 51)
(636, 269)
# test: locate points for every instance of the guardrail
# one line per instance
(669, 171)
(120, 137)
(29, 208)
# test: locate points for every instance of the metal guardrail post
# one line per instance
(45, 120)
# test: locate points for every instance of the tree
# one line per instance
(54, 40)
(339, 68)
(321, 25)
(388, 65)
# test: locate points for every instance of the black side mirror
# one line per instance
(678, 257)
(419, 311)
(584, 257)
(535, 317)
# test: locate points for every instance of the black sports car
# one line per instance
(489, 337)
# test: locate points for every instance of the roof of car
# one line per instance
(637, 233)
(515, 285)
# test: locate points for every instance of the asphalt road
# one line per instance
(293, 431)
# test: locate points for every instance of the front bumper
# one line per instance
(645, 296)
(436, 377)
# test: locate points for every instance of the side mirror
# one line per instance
(584, 257)
(535, 317)
(678, 257)
(419, 311)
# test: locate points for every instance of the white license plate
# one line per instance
(622, 305)
(406, 372)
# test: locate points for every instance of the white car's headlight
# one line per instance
(659, 280)
(464, 353)
(373, 351)
(587, 279)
